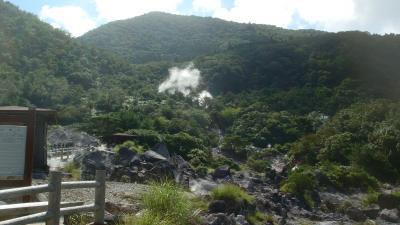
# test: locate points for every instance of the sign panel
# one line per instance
(12, 152)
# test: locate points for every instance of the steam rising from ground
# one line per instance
(181, 80)
(184, 80)
(202, 97)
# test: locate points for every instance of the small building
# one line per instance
(42, 117)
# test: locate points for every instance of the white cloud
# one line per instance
(110, 10)
(70, 18)
(329, 14)
(259, 11)
(206, 5)
(376, 16)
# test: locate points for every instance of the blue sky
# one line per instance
(80, 16)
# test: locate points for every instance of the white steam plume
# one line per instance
(181, 80)
(202, 97)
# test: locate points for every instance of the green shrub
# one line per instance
(131, 145)
(370, 198)
(221, 161)
(258, 162)
(168, 204)
(146, 219)
(73, 170)
(345, 177)
(230, 192)
(199, 157)
(259, 218)
(201, 171)
(300, 181)
(182, 143)
(147, 138)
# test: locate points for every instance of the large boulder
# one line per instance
(222, 172)
(90, 161)
(202, 187)
(128, 166)
(124, 156)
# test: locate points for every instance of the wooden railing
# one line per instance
(51, 211)
(61, 151)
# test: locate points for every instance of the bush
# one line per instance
(300, 181)
(199, 157)
(222, 161)
(258, 162)
(182, 143)
(201, 171)
(131, 145)
(345, 177)
(259, 218)
(147, 138)
(370, 198)
(166, 203)
(73, 170)
(230, 192)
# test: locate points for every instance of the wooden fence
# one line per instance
(51, 211)
(62, 150)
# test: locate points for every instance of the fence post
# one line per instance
(100, 193)
(54, 198)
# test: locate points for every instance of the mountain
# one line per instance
(161, 36)
(263, 56)
(327, 103)
(42, 66)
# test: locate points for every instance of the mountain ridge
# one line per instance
(149, 38)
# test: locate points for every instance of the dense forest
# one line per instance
(328, 101)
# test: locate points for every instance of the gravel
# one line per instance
(116, 192)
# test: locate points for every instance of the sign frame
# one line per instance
(27, 119)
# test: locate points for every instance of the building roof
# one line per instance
(21, 108)
(49, 113)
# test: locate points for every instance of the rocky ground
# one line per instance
(127, 171)
(331, 208)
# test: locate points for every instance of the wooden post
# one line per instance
(100, 194)
(62, 153)
(54, 198)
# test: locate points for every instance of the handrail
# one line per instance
(33, 218)
(15, 192)
(79, 184)
(30, 208)
(54, 207)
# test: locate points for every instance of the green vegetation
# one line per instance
(130, 145)
(167, 204)
(301, 182)
(259, 218)
(230, 192)
(370, 198)
(328, 100)
(73, 170)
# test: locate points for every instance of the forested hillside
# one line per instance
(327, 101)
(160, 36)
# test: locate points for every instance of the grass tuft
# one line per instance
(230, 192)
(165, 203)
(73, 170)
